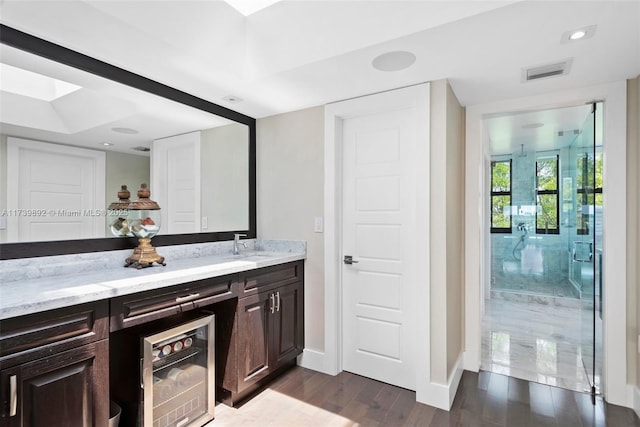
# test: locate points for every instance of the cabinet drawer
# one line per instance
(42, 334)
(142, 307)
(264, 279)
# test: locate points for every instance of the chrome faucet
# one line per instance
(237, 242)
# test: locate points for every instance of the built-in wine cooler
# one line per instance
(177, 375)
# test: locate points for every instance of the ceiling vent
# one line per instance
(141, 148)
(544, 71)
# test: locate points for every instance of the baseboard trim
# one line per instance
(442, 395)
(470, 363)
(636, 400)
(314, 360)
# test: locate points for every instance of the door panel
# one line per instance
(62, 390)
(253, 328)
(587, 245)
(176, 191)
(63, 188)
(287, 323)
(378, 222)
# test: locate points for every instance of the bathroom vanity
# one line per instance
(69, 343)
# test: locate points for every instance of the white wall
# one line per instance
(224, 171)
(289, 196)
(446, 231)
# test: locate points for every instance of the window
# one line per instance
(588, 191)
(501, 196)
(547, 200)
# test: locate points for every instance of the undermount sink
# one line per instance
(251, 256)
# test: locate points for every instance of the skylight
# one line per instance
(33, 85)
(248, 7)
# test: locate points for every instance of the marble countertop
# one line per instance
(31, 295)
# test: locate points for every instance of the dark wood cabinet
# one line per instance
(254, 329)
(54, 368)
(145, 307)
(267, 331)
(287, 328)
(55, 365)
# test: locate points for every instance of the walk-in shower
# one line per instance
(545, 204)
(540, 207)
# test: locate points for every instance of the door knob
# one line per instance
(348, 259)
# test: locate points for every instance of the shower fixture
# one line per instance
(524, 229)
(522, 153)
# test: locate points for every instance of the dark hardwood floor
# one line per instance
(303, 397)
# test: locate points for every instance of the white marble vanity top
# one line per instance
(77, 283)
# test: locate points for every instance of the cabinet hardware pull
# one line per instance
(13, 395)
(278, 303)
(272, 299)
(142, 373)
(187, 298)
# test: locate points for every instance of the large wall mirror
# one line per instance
(74, 128)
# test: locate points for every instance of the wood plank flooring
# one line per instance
(303, 397)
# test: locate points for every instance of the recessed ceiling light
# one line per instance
(394, 61)
(107, 144)
(232, 99)
(128, 131)
(578, 34)
(532, 125)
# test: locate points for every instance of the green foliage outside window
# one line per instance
(501, 176)
(501, 196)
(547, 220)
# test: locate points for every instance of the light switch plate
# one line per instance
(318, 226)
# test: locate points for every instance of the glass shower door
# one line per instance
(585, 253)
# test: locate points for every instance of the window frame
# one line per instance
(555, 192)
(583, 192)
(505, 230)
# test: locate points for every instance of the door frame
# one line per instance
(615, 354)
(331, 361)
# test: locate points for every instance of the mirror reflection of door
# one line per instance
(175, 182)
(56, 192)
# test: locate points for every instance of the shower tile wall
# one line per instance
(544, 268)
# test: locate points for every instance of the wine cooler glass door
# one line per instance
(178, 375)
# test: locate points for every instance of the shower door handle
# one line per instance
(581, 257)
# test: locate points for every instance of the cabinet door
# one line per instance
(287, 324)
(68, 389)
(254, 317)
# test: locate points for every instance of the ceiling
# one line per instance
(518, 133)
(298, 54)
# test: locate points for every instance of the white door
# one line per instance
(175, 182)
(58, 192)
(379, 232)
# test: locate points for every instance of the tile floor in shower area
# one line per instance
(536, 338)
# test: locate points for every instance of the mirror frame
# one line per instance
(32, 44)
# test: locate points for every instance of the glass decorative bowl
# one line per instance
(144, 223)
